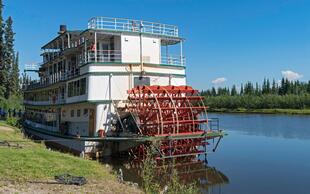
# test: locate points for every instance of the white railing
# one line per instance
(102, 56)
(47, 102)
(129, 25)
(173, 60)
(53, 78)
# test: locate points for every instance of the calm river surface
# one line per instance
(263, 154)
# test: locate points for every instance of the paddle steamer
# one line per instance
(79, 101)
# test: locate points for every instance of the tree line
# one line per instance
(10, 90)
(270, 94)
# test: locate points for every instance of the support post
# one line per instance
(181, 52)
(85, 50)
(110, 86)
(95, 47)
(111, 102)
(141, 49)
(62, 43)
(68, 35)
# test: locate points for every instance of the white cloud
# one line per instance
(219, 80)
(291, 75)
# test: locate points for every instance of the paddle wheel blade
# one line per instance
(177, 114)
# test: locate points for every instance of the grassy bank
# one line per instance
(34, 163)
(262, 111)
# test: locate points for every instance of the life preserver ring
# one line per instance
(93, 47)
(101, 133)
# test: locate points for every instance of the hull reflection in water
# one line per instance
(207, 178)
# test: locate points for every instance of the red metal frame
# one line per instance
(169, 111)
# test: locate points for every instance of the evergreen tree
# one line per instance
(274, 87)
(308, 87)
(248, 88)
(213, 91)
(9, 58)
(264, 87)
(15, 76)
(268, 87)
(241, 89)
(233, 91)
(3, 68)
(257, 89)
(282, 87)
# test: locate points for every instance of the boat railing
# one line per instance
(129, 25)
(173, 60)
(52, 79)
(102, 56)
(214, 123)
(45, 102)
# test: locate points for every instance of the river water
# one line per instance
(263, 154)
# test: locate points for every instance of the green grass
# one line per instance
(263, 111)
(3, 123)
(35, 162)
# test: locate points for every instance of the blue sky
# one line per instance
(227, 41)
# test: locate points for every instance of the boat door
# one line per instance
(91, 122)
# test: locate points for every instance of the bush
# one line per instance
(154, 178)
(13, 121)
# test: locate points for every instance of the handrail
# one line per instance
(129, 25)
(102, 56)
(53, 78)
(173, 60)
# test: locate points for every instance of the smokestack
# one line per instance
(62, 29)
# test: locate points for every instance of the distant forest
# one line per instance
(268, 95)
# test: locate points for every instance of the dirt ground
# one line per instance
(7, 187)
(4, 128)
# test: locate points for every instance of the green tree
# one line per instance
(3, 68)
(274, 88)
(248, 88)
(213, 92)
(241, 90)
(233, 91)
(308, 87)
(9, 58)
(268, 87)
(15, 76)
(257, 89)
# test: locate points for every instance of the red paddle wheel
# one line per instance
(172, 115)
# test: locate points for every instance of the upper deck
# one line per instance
(114, 43)
(129, 25)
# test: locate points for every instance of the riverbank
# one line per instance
(28, 167)
(262, 111)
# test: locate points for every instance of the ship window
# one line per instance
(78, 113)
(72, 113)
(83, 86)
(141, 81)
(77, 87)
(70, 89)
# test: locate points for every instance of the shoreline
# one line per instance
(29, 167)
(261, 111)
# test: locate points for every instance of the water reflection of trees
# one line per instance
(206, 177)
